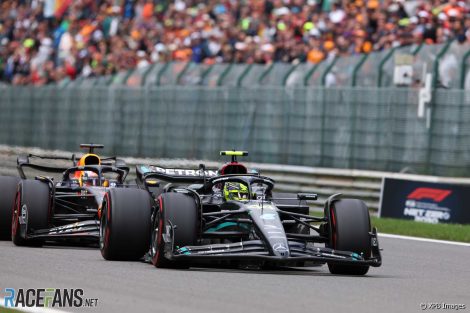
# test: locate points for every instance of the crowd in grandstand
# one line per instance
(44, 41)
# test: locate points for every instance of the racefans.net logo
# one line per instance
(47, 298)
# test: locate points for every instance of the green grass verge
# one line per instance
(452, 232)
(8, 310)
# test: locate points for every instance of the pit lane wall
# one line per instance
(365, 185)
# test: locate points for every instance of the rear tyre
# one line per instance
(181, 211)
(349, 231)
(125, 224)
(31, 212)
(8, 186)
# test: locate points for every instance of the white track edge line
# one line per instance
(32, 309)
(455, 243)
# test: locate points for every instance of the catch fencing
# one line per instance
(448, 62)
(357, 112)
(343, 127)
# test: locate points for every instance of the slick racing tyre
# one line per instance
(181, 211)
(8, 186)
(31, 212)
(125, 224)
(349, 231)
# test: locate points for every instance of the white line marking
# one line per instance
(455, 243)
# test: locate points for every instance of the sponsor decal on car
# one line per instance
(177, 171)
(279, 247)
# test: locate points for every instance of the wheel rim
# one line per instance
(16, 210)
(102, 229)
(333, 223)
(103, 225)
(155, 236)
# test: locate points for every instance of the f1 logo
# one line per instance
(429, 193)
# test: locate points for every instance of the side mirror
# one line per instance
(152, 182)
(307, 196)
(120, 163)
(22, 159)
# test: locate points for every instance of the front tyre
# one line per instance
(31, 212)
(181, 211)
(349, 231)
(125, 224)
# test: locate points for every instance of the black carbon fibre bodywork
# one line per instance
(267, 229)
(74, 205)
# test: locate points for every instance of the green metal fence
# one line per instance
(449, 63)
(342, 113)
(343, 127)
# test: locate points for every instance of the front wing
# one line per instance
(85, 231)
(255, 251)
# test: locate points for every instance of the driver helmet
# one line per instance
(236, 191)
(89, 178)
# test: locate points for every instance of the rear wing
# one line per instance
(174, 175)
(24, 161)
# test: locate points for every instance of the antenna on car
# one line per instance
(91, 146)
(202, 169)
(233, 153)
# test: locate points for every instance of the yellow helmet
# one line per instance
(236, 191)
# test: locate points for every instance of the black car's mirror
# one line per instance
(307, 196)
(152, 183)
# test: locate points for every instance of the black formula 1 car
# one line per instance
(42, 209)
(233, 217)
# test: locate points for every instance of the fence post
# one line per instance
(160, 73)
(128, 74)
(382, 64)
(418, 48)
(357, 68)
(290, 71)
(310, 73)
(110, 79)
(146, 73)
(243, 75)
(435, 69)
(265, 73)
(224, 74)
(327, 70)
(205, 73)
(432, 105)
(183, 71)
(463, 69)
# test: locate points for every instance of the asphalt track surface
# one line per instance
(412, 273)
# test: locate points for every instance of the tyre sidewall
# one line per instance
(349, 231)
(34, 197)
(126, 214)
(181, 210)
(8, 189)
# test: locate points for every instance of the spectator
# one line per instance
(42, 41)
